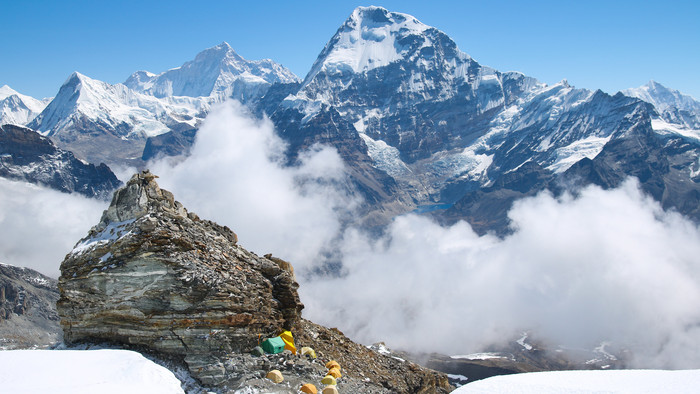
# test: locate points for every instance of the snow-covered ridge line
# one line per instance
(19, 109)
(115, 106)
(217, 72)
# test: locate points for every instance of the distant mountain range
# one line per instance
(420, 124)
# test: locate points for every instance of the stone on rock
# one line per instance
(275, 375)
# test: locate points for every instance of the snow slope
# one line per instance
(121, 110)
(83, 371)
(18, 109)
(674, 107)
(218, 72)
(619, 381)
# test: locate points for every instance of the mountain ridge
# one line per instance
(416, 120)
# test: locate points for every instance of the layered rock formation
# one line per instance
(155, 277)
(151, 274)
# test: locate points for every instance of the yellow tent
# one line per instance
(334, 372)
(308, 351)
(288, 339)
(332, 364)
(329, 380)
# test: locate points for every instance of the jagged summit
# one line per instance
(676, 110)
(17, 108)
(6, 91)
(373, 37)
(117, 284)
(217, 71)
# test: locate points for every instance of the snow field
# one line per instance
(578, 382)
(83, 371)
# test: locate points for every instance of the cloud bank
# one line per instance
(235, 175)
(604, 266)
(578, 270)
(38, 226)
(601, 266)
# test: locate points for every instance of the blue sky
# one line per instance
(609, 45)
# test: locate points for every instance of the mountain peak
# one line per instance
(6, 91)
(371, 37)
(216, 71)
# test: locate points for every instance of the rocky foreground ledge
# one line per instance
(155, 277)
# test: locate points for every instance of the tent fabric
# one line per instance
(308, 351)
(275, 375)
(308, 389)
(330, 390)
(332, 364)
(288, 339)
(334, 372)
(273, 345)
(329, 380)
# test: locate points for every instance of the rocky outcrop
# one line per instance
(379, 372)
(28, 156)
(153, 275)
(28, 317)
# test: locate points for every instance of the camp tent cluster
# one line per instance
(285, 341)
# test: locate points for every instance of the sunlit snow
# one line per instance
(83, 371)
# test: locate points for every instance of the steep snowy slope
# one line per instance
(18, 109)
(110, 123)
(674, 107)
(219, 72)
(436, 122)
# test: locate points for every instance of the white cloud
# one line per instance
(606, 265)
(603, 265)
(235, 176)
(38, 226)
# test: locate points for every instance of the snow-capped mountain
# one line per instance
(674, 107)
(110, 123)
(102, 122)
(19, 109)
(417, 121)
(218, 71)
(420, 103)
(435, 125)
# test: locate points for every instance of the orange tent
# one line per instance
(308, 389)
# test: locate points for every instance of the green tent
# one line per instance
(273, 345)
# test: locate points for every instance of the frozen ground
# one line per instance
(575, 382)
(83, 371)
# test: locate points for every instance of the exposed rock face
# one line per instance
(152, 275)
(28, 156)
(382, 373)
(28, 317)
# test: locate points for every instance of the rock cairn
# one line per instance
(153, 275)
